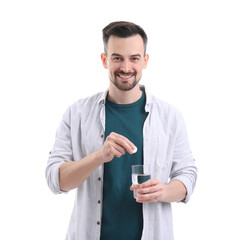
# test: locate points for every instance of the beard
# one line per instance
(129, 84)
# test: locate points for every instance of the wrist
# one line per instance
(99, 157)
(174, 191)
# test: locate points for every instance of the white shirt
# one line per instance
(166, 149)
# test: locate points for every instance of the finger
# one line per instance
(150, 182)
(125, 143)
(113, 148)
(118, 149)
(147, 200)
(132, 187)
(148, 190)
(151, 186)
(122, 141)
(151, 197)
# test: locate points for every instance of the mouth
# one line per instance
(125, 76)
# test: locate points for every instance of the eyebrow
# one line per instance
(118, 55)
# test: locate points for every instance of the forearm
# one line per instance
(73, 174)
(175, 191)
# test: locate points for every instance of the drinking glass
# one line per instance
(140, 174)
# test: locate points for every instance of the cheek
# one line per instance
(139, 70)
(111, 72)
(113, 69)
(140, 67)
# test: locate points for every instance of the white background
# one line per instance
(50, 57)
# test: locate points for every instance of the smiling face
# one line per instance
(125, 61)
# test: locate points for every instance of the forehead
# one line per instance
(126, 46)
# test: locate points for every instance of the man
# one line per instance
(95, 149)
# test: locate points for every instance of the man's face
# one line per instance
(125, 61)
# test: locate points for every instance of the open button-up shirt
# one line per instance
(166, 149)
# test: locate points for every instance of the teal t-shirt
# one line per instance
(122, 216)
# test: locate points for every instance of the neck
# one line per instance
(124, 97)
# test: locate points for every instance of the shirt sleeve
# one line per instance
(183, 165)
(61, 152)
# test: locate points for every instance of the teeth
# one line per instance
(125, 76)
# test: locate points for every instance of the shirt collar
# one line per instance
(103, 97)
(149, 98)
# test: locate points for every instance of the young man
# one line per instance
(94, 151)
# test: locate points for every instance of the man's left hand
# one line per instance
(150, 191)
(153, 191)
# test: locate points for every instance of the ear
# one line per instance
(146, 58)
(104, 60)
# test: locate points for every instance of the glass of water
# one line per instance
(140, 174)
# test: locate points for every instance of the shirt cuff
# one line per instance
(188, 184)
(53, 179)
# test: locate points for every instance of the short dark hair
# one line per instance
(123, 29)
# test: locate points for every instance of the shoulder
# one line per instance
(162, 107)
(84, 106)
(165, 113)
(88, 102)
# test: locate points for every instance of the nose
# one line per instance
(126, 66)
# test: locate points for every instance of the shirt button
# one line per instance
(102, 136)
(99, 179)
(98, 223)
(99, 201)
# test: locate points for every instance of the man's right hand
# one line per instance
(73, 174)
(115, 145)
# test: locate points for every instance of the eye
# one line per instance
(116, 59)
(135, 59)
